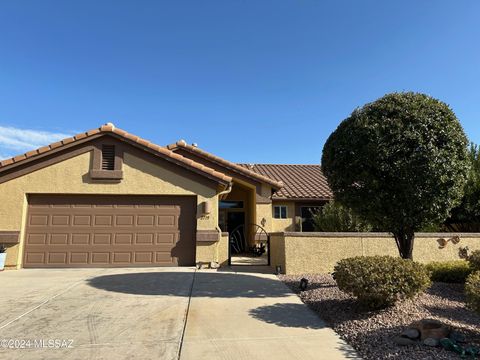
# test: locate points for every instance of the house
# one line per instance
(107, 198)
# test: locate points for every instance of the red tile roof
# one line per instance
(225, 163)
(305, 182)
(110, 128)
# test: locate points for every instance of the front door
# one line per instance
(236, 231)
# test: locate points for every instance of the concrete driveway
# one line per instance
(109, 314)
(158, 313)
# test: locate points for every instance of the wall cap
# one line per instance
(372, 234)
(9, 237)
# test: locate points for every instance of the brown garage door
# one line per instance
(109, 231)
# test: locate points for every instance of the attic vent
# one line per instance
(108, 157)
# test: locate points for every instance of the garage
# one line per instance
(109, 231)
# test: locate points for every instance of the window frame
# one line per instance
(221, 204)
(280, 207)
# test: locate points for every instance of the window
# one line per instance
(307, 213)
(228, 204)
(280, 212)
(108, 157)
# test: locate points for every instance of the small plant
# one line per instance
(474, 260)
(455, 271)
(472, 291)
(380, 281)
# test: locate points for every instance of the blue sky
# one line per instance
(251, 81)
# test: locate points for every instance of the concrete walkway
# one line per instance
(254, 316)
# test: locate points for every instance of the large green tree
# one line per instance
(400, 163)
(466, 216)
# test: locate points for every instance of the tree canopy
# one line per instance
(466, 216)
(399, 162)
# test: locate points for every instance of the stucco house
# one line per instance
(107, 198)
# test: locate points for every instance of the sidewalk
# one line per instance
(254, 316)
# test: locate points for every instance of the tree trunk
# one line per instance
(404, 240)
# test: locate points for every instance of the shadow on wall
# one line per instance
(288, 315)
(215, 285)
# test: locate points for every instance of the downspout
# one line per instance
(228, 190)
(224, 192)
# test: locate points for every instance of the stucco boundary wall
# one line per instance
(317, 253)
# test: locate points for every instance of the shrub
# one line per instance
(474, 260)
(335, 217)
(472, 291)
(379, 281)
(455, 271)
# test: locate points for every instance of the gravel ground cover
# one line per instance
(371, 333)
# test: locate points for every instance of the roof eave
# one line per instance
(109, 129)
(277, 185)
(274, 198)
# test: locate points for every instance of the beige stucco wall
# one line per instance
(264, 214)
(141, 177)
(305, 253)
(277, 250)
(287, 224)
(214, 251)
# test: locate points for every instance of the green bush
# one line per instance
(455, 271)
(474, 260)
(472, 291)
(335, 217)
(379, 281)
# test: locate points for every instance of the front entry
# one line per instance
(236, 230)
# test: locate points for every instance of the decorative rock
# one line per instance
(404, 341)
(411, 333)
(431, 342)
(430, 328)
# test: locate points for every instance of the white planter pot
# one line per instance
(3, 256)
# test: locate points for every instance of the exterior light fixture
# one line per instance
(207, 207)
(303, 284)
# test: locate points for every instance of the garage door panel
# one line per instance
(122, 257)
(100, 258)
(102, 220)
(124, 220)
(82, 220)
(59, 239)
(123, 239)
(58, 258)
(80, 239)
(79, 258)
(102, 239)
(166, 238)
(146, 220)
(82, 231)
(144, 239)
(36, 239)
(38, 220)
(35, 257)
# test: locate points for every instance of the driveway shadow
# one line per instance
(207, 284)
(288, 315)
